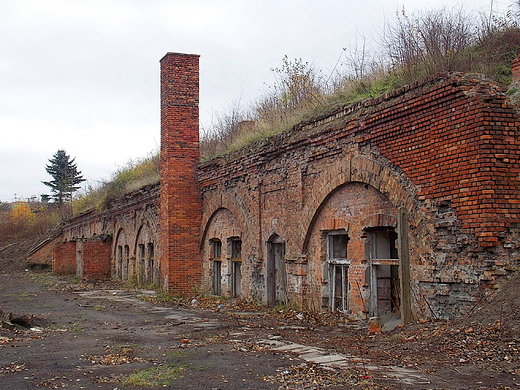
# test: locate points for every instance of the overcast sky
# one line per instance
(84, 75)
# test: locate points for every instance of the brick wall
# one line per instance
(444, 152)
(445, 149)
(180, 196)
(458, 143)
(123, 223)
(96, 259)
(64, 258)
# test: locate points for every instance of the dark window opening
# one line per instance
(337, 242)
(388, 289)
(237, 278)
(150, 261)
(140, 263)
(217, 278)
(384, 271)
(236, 264)
(119, 262)
(216, 249)
(215, 254)
(126, 263)
(338, 245)
(383, 244)
(236, 249)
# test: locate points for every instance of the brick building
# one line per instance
(406, 204)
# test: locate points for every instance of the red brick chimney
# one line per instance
(181, 266)
(515, 68)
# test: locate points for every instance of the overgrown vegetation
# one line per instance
(130, 177)
(21, 224)
(410, 48)
(25, 220)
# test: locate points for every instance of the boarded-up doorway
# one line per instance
(276, 272)
(79, 259)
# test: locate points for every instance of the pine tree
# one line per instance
(65, 176)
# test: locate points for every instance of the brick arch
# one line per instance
(232, 202)
(120, 239)
(274, 227)
(149, 220)
(143, 230)
(121, 234)
(366, 167)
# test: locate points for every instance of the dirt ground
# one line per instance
(61, 333)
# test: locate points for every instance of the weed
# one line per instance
(22, 295)
(159, 376)
(176, 354)
(75, 327)
(130, 177)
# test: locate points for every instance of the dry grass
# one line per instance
(134, 175)
(411, 47)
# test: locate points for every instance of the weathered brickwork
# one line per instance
(120, 243)
(180, 195)
(41, 255)
(96, 259)
(446, 150)
(407, 204)
(64, 258)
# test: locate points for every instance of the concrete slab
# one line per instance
(327, 359)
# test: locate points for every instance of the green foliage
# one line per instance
(65, 175)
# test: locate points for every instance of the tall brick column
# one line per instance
(181, 264)
(515, 70)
